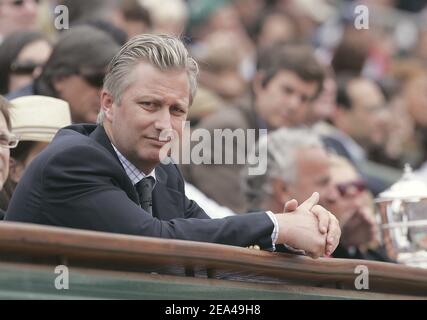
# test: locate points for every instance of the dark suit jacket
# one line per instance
(79, 182)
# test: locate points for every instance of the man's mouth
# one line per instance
(159, 141)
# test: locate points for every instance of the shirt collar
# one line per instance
(135, 175)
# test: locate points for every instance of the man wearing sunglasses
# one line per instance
(17, 15)
(355, 212)
(74, 72)
(297, 165)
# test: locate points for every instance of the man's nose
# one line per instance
(163, 120)
(294, 102)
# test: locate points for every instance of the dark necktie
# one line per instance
(144, 189)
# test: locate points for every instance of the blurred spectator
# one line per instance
(276, 27)
(205, 103)
(352, 52)
(35, 120)
(297, 165)
(361, 125)
(409, 110)
(288, 78)
(354, 209)
(75, 71)
(81, 11)
(110, 16)
(133, 18)
(249, 12)
(168, 16)
(420, 50)
(219, 66)
(17, 15)
(221, 17)
(7, 141)
(309, 14)
(116, 33)
(361, 117)
(22, 56)
(323, 107)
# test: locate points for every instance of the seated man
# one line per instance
(297, 164)
(355, 212)
(109, 177)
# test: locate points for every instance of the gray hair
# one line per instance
(280, 148)
(162, 51)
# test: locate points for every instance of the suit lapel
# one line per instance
(101, 137)
(167, 201)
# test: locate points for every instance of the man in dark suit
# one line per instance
(97, 177)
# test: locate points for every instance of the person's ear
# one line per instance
(16, 169)
(107, 102)
(280, 191)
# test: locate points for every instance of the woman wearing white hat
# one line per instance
(7, 141)
(35, 119)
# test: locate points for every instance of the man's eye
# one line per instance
(146, 104)
(178, 110)
(288, 90)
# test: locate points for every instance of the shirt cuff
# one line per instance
(275, 233)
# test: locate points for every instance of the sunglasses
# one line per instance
(24, 67)
(19, 3)
(8, 141)
(344, 188)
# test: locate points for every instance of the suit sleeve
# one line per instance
(89, 197)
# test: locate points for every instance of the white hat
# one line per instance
(38, 118)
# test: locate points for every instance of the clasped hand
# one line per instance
(309, 227)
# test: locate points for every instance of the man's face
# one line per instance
(415, 94)
(82, 95)
(313, 174)
(17, 15)
(155, 101)
(353, 194)
(36, 53)
(284, 100)
(368, 118)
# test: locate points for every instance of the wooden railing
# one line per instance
(40, 245)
